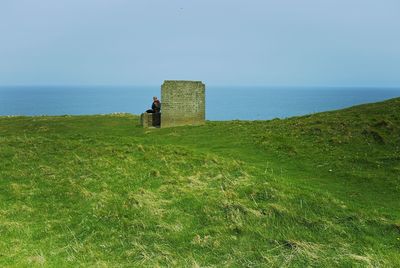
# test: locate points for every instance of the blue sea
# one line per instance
(222, 103)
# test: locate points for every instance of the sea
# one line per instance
(222, 102)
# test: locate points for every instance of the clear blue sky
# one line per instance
(222, 42)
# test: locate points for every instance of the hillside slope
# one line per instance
(317, 190)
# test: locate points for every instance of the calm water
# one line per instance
(223, 103)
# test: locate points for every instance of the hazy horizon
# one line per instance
(207, 85)
(242, 102)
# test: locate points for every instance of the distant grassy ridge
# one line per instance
(316, 190)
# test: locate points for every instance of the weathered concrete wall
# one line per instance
(150, 120)
(182, 103)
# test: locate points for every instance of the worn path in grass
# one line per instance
(317, 190)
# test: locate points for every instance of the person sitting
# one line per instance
(155, 106)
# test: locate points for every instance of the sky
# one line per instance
(221, 42)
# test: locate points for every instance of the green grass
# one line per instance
(319, 190)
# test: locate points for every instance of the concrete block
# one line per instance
(182, 103)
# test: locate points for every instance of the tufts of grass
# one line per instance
(318, 190)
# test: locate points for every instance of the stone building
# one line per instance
(182, 103)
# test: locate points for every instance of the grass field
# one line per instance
(319, 190)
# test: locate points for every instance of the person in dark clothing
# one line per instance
(155, 106)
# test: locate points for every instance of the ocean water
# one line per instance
(222, 103)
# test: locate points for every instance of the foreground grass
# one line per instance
(318, 190)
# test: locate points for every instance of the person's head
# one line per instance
(154, 98)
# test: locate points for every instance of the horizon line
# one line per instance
(212, 85)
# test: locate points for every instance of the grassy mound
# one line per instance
(317, 190)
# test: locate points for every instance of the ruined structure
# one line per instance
(182, 103)
(150, 119)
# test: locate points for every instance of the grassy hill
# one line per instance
(317, 190)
